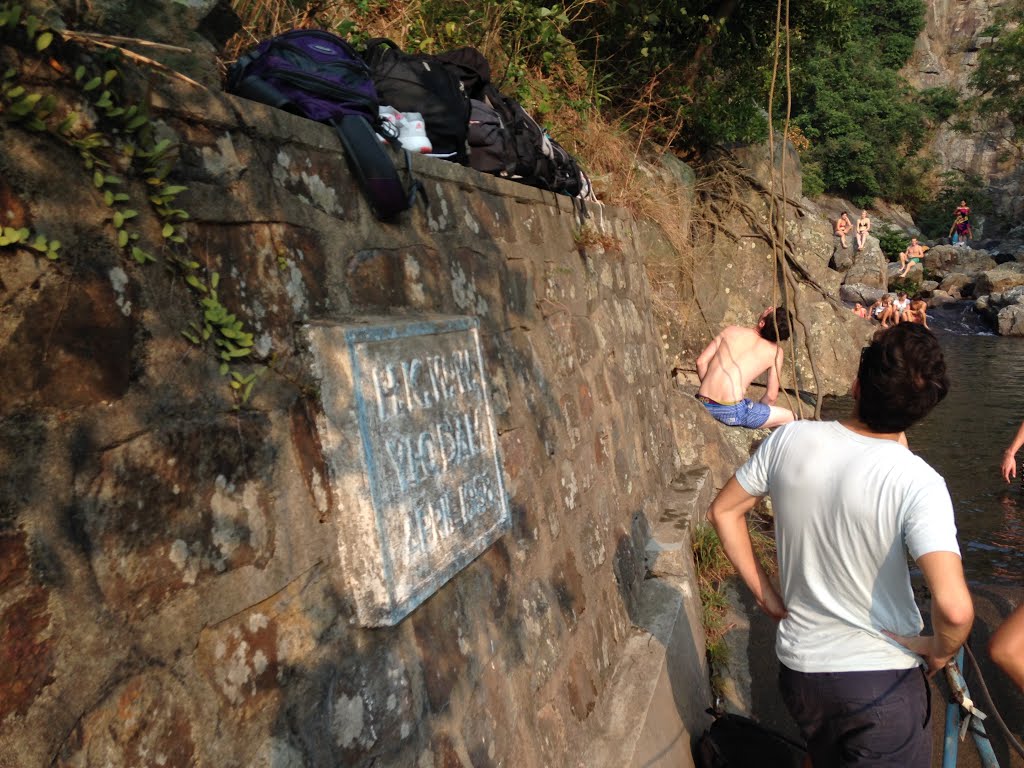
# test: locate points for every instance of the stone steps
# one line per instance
(653, 707)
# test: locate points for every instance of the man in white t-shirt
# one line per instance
(850, 501)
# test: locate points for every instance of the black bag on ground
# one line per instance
(412, 82)
(319, 76)
(734, 741)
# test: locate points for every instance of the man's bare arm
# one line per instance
(728, 514)
(706, 357)
(772, 392)
(952, 610)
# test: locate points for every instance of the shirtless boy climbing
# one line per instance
(733, 360)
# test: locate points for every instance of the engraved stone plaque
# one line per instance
(410, 448)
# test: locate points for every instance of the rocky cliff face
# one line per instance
(945, 54)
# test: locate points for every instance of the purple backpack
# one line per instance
(318, 75)
(309, 72)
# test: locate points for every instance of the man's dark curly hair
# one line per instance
(902, 376)
(781, 318)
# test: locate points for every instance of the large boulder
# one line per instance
(1010, 320)
(1000, 279)
(842, 258)
(957, 284)
(940, 299)
(915, 274)
(737, 276)
(946, 259)
(869, 266)
(1003, 310)
(865, 294)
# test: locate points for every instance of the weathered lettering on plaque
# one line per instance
(420, 492)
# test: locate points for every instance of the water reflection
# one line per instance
(964, 437)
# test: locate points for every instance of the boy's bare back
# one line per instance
(734, 359)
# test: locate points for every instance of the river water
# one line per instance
(965, 436)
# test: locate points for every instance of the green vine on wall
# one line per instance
(123, 144)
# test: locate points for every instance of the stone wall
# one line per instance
(169, 561)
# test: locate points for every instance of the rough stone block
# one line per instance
(409, 441)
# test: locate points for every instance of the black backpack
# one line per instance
(504, 140)
(566, 177)
(534, 155)
(491, 149)
(317, 75)
(469, 66)
(734, 741)
(412, 82)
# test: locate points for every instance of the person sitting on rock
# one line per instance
(860, 310)
(876, 310)
(918, 312)
(900, 305)
(843, 228)
(890, 316)
(913, 255)
(733, 360)
(863, 227)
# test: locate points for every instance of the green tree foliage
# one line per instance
(704, 65)
(863, 121)
(697, 73)
(935, 216)
(999, 75)
(713, 62)
(892, 241)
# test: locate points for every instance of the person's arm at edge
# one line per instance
(1009, 467)
(771, 394)
(706, 357)
(1006, 648)
(728, 515)
(952, 610)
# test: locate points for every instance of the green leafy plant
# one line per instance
(1000, 67)
(934, 216)
(121, 147)
(905, 284)
(940, 103)
(892, 241)
(714, 570)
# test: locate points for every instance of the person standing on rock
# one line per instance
(733, 360)
(863, 228)
(960, 232)
(849, 501)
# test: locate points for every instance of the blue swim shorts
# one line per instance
(745, 413)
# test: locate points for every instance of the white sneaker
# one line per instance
(409, 128)
(412, 133)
